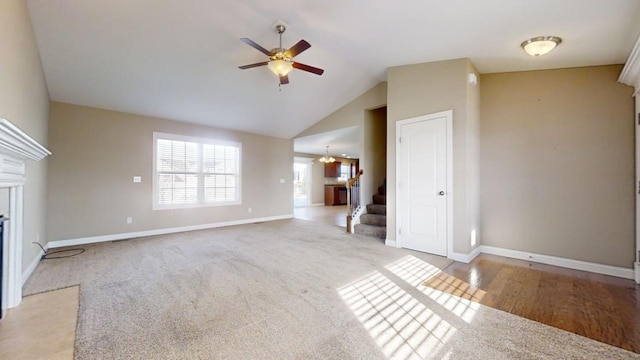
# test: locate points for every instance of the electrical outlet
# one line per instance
(282, 181)
(137, 179)
(249, 209)
(129, 219)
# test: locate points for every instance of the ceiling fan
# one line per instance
(280, 60)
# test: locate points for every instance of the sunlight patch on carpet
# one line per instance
(402, 326)
(453, 294)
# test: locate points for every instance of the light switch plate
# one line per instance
(137, 179)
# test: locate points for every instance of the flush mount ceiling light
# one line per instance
(326, 158)
(540, 45)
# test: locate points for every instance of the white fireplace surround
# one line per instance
(16, 147)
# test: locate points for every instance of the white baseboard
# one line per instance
(562, 262)
(122, 236)
(636, 267)
(465, 258)
(26, 274)
(391, 243)
(317, 204)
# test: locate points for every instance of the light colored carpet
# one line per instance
(290, 289)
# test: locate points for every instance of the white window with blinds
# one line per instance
(195, 172)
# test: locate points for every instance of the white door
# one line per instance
(422, 207)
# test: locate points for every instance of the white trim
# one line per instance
(12, 247)
(448, 114)
(308, 177)
(355, 218)
(317, 204)
(630, 74)
(450, 192)
(200, 198)
(122, 236)
(559, 261)
(636, 254)
(26, 274)
(16, 143)
(464, 258)
(303, 160)
(391, 243)
(15, 148)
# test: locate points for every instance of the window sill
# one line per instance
(192, 206)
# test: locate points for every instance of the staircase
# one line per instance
(374, 222)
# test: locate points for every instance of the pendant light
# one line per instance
(326, 158)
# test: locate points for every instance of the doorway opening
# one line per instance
(302, 182)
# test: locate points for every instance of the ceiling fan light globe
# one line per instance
(280, 67)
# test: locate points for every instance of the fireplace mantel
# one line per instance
(16, 147)
(14, 142)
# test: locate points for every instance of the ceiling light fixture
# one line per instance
(280, 67)
(326, 158)
(540, 45)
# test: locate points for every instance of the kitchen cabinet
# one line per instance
(332, 170)
(335, 195)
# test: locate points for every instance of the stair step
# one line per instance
(377, 209)
(373, 219)
(380, 199)
(382, 190)
(371, 230)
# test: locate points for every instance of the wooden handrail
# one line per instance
(350, 182)
(353, 198)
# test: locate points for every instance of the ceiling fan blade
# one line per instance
(297, 49)
(284, 79)
(308, 68)
(256, 46)
(253, 65)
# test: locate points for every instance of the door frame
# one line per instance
(309, 184)
(448, 114)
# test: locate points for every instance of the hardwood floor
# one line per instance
(603, 308)
(331, 215)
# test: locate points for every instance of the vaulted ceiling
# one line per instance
(179, 59)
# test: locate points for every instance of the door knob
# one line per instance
(441, 193)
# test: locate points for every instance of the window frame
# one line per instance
(345, 178)
(200, 173)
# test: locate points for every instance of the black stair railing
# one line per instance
(353, 198)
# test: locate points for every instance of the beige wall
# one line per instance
(421, 89)
(374, 158)
(351, 114)
(355, 113)
(25, 102)
(473, 159)
(97, 152)
(557, 164)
